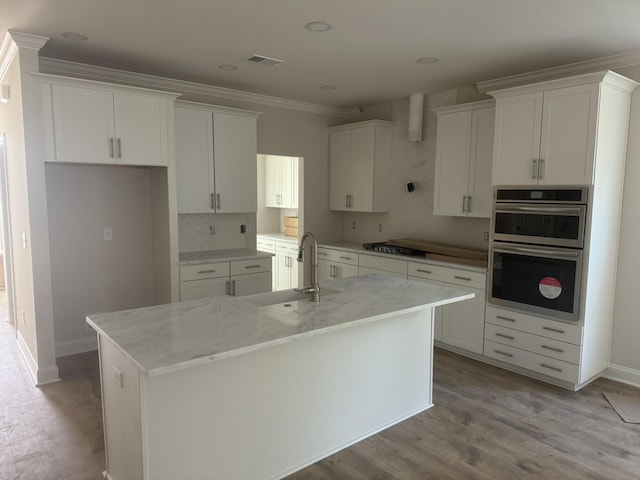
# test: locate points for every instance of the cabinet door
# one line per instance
(452, 163)
(283, 271)
(251, 284)
(342, 270)
(273, 181)
(517, 139)
(141, 129)
(194, 160)
(339, 169)
(286, 181)
(211, 287)
(567, 146)
(480, 164)
(463, 322)
(361, 178)
(325, 270)
(295, 172)
(83, 125)
(235, 153)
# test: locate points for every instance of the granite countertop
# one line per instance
(214, 256)
(165, 338)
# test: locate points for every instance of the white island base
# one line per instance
(265, 410)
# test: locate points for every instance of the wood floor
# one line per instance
(486, 424)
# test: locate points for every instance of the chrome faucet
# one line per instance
(314, 288)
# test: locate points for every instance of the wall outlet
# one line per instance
(108, 233)
(243, 229)
(485, 236)
(353, 225)
(379, 227)
(22, 316)
(212, 229)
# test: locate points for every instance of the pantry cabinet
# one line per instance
(360, 166)
(216, 149)
(281, 181)
(551, 133)
(92, 122)
(464, 156)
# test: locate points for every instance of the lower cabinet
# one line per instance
(462, 323)
(286, 265)
(336, 264)
(236, 278)
(268, 245)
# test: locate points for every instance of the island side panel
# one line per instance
(270, 412)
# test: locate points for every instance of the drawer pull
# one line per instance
(252, 266)
(508, 337)
(500, 317)
(553, 349)
(346, 258)
(557, 330)
(423, 271)
(555, 369)
(324, 254)
(200, 272)
(467, 279)
(504, 353)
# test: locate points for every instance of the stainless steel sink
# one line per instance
(283, 296)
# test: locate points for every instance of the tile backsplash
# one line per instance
(195, 235)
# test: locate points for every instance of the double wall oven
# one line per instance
(536, 250)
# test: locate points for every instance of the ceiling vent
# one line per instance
(261, 59)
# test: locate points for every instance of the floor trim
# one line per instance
(39, 375)
(622, 374)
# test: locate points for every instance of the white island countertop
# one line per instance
(165, 338)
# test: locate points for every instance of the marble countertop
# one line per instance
(165, 338)
(281, 237)
(213, 256)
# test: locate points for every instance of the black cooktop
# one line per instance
(384, 247)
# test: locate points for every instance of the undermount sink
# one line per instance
(284, 296)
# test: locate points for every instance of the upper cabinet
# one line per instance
(216, 166)
(281, 181)
(92, 122)
(360, 166)
(464, 154)
(551, 133)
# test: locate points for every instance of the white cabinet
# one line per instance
(336, 264)
(382, 265)
(93, 123)
(464, 155)
(236, 278)
(216, 151)
(268, 245)
(462, 324)
(550, 133)
(360, 166)
(287, 270)
(281, 181)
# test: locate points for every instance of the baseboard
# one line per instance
(39, 375)
(623, 374)
(78, 345)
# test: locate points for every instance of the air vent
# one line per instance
(274, 62)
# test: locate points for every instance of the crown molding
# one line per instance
(12, 42)
(628, 59)
(111, 75)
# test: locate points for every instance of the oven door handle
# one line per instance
(537, 209)
(541, 252)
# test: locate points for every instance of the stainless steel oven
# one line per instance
(536, 250)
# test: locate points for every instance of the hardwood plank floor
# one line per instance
(487, 423)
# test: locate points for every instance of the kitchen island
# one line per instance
(261, 386)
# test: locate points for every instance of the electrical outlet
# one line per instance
(485, 236)
(108, 233)
(212, 229)
(22, 315)
(379, 227)
(353, 225)
(243, 229)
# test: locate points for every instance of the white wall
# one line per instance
(91, 274)
(411, 214)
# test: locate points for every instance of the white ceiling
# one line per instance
(369, 54)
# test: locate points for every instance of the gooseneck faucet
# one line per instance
(314, 288)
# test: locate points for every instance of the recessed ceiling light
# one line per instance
(426, 60)
(328, 87)
(227, 67)
(77, 37)
(318, 26)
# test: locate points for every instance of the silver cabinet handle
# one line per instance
(534, 169)
(233, 288)
(505, 318)
(508, 337)
(112, 148)
(462, 278)
(557, 330)
(540, 168)
(332, 271)
(324, 254)
(119, 148)
(468, 203)
(227, 288)
(278, 199)
(217, 201)
(550, 367)
(200, 272)
(553, 349)
(213, 205)
(345, 258)
(423, 271)
(499, 352)
(252, 266)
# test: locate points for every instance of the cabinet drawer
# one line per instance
(455, 276)
(204, 270)
(538, 326)
(532, 361)
(337, 256)
(286, 247)
(256, 265)
(390, 265)
(265, 245)
(533, 343)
